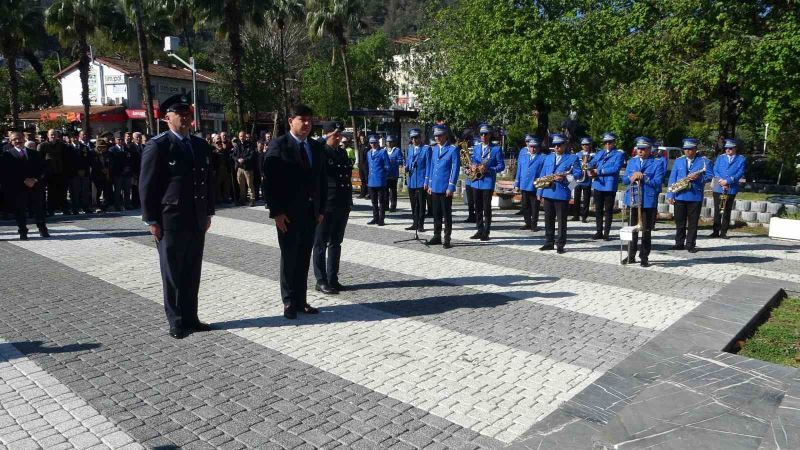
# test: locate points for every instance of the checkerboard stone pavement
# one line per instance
(461, 348)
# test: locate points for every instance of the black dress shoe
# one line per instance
(714, 235)
(43, 232)
(547, 247)
(723, 236)
(325, 289)
(470, 220)
(535, 229)
(597, 236)
(381, 223)
(177, 333)
(644, 263)
(289, 312)
(692, 249)
(628, 260)
(338, 286)
(585, 220)
(477, 235)
(560, 250)
(436, 240)
(607, 238)
(447, 243)
(421, 229)
(201, 327)
(524, 227)
(308, 309)
(411, 228)
(485, 237)
(677, 247)
(392, 209)
(23, 236)
(372, 222)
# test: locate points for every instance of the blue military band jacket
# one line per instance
(492, 156)
(680, 169)
(395, 161)
(559, 190)
(653, 172)
(176, 182)
(443, 169)
(379, 165)
(417, 161)
(528, 168)
(608, 164)
(730, 171)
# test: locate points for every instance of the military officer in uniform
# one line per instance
(395, 161)
(529, 165)
(441, 184)
(417, 161)
(583, 189)
(604, 169)
(488, 160)
(378, 165)
(728, 170)
(556, 196)
(330, 233)
(176, 189)
(688, 201)
(649, 173)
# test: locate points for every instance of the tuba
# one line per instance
(685, 182)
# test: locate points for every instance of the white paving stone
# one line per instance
(32, 428)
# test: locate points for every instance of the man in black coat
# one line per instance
(22, 172)
(296, 193)
(330, 233)
(176, 190)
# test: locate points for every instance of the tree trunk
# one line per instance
(83, 68)
(346, 65)
(275, 118)
(37, 67)
(282, 30)
(232, 18)
(13, 87)
(144, 68)
(543, 120)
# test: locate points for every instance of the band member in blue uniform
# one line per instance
(649, 173)
(583, 189)
(487, 159)
(604, 169)
(378, 165)
(529, 166)
(688, 201)
(469, 192)
(557, 194)
(417, 160)
(330, 233)
(177, 193)
(395, 161)
(441, 183)
(728, 170)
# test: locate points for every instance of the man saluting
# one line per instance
(176, 190)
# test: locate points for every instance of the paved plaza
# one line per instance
(464, 348)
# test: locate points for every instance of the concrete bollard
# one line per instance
(764, 217)
(774, 207)
(743, 205)
(749, 216)
(735, 216)
(758, 207)
(663, 208)
(791, 209)
(706, 212)
(662, 198)
(671, 209)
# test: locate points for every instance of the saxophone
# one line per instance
(547, 180)
(466, 162)
(685, 182)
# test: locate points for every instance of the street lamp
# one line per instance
(171, 44)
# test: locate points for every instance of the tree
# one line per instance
(73, 21)
(282, 13)
(21, 27)
(336, 18)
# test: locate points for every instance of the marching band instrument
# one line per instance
(723, 200)
(584, 168)
(636, 193)
(547, 180)
(685, 182)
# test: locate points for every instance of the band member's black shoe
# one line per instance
(411, 228)
(535, 229)
(723, 236)
(628, 260)
(518, 213)
(714, 235)
(325, 289)
(597, 236)
(477, 235)
(485, 237)
(308, 309)
(381, 223)
(691, 249)
(560, 250)
(644, 263)
(447, 243)
(372, 222)
(201, 327)
(677, 247)
(421, 229)
(289, 312)
(392, 209)
(524, 227)
(470, 220)
(338, 286)
(23, 236)
(606, 238)
(547, 247)
(435, 240)
(585, 220)
(177, 333)
(43, 232)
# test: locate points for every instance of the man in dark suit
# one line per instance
(176, 190)
(23, 173)
(296, 193)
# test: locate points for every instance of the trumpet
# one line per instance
(685, 182)
(547, 180)
(723, 201)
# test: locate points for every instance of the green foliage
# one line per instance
(777, 339)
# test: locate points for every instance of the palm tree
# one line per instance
(282, 13)
(73, 21)
(144, 62)
(337, 18)
(21, 27)
(230, 15)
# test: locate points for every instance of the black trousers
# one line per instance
(56, 193)
(530, 208)
(363, 174)
(180, 253)
(429, 201)
(418, 204)
(380, 202)
(80, 193)
(555, 211)
(722, 222)
(649, 219)
(122, 191)
(442, 211)
(469, 193)
(329, 236)
(392, 185)
(604, 211)
(296, 246)
(581, 206)
(27, 201)
(483, 209)
(103, 188)
(687, 215)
